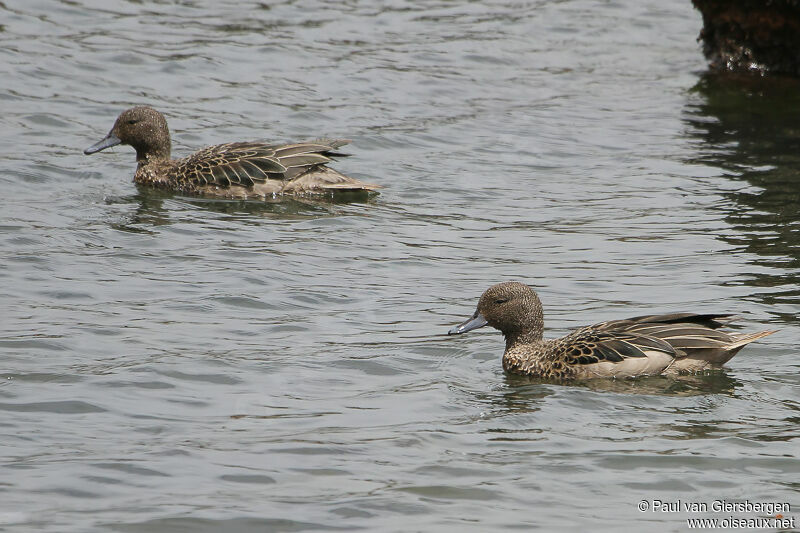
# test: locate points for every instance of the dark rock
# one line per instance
(751, 35)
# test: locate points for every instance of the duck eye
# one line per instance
(501, 300)
(132, 121)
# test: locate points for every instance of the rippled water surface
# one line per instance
(178, 364)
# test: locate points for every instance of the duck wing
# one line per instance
(707, 320)
(248, 163)
(593, 345)
(683, 331)
(694, 337)
(595, 352)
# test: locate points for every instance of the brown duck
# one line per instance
(235, 170)
(643, 345)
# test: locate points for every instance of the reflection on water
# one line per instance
(749, 126)
(710, 382)
(150, 210)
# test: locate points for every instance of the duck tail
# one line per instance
(747, 338)
(711, 357)
(332, 146)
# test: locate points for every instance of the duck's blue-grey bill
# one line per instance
(108, 142)
(477, 321)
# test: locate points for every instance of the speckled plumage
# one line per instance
(644, 345)
(234, 170)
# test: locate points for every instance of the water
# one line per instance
(177, 364)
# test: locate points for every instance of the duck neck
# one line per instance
(148, 154)
(154, 171)
(528, 336)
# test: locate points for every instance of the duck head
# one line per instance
(512, 307)
(142, 127)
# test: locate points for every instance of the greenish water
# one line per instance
(178, 364)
